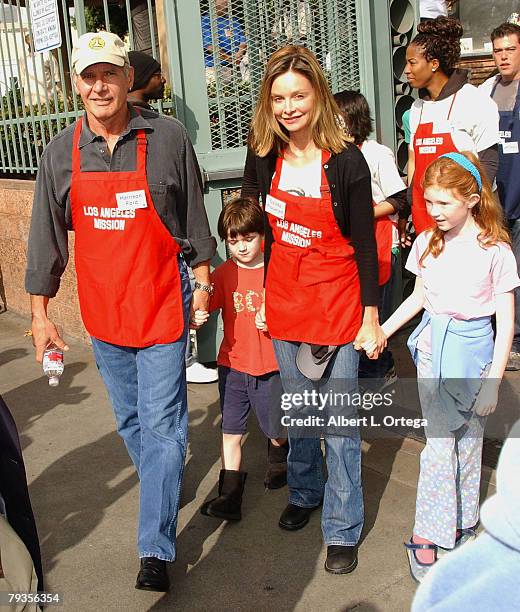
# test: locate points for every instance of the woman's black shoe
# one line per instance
(153, 575)
(295, 517)
(341, 559)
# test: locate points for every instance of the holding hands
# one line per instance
(198, 318)
(199, 307)
(371, 339)
(260, 321)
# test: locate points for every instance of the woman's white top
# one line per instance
(473, 121)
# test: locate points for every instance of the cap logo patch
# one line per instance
(96, 43)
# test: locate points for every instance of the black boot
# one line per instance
(228, 504)
(276, 474)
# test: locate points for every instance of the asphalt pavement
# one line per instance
(85, 497)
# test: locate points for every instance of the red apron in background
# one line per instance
(384, 232)
(312, 286)
(427, 147)
(126, 260)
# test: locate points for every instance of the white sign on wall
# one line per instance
(45, 24)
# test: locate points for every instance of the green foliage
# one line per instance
(21, 143)
(95, 19)
(34, 129)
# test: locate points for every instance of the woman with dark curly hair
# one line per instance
(450, 115)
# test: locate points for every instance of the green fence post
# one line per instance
(79, 15)
(184, 36)
(377, 38)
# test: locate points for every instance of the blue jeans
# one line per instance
(514, 230)
(342, 494)
(147, 389)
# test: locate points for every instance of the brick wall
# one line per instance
(15, 212)
(481, 68)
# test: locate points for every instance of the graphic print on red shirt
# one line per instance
(238, 292)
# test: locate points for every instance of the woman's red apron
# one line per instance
(427, 147)
(126, 260)
(312, 285)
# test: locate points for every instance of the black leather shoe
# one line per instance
(295, 517)
(153, 575)
(341, 559)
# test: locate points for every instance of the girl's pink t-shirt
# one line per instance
(464, 279)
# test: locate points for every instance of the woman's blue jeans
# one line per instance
(147, 389)
(342, 494)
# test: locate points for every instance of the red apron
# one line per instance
(126, 260)
(312, 286)
(384, 231)
(427, 147)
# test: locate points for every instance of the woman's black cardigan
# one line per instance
(348, 176)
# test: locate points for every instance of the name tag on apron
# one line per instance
(509, 147)
(130, 200)
(275, 207)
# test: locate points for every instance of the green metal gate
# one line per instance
(223, 47)
(214, 53)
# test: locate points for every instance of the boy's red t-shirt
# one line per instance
(238, 292)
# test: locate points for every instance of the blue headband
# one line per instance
(463, 161)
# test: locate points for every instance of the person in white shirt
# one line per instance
(40, 76)
(390, 203)
(429, 9)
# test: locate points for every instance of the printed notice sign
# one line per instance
(45, 24)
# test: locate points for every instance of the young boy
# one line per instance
(247, 367)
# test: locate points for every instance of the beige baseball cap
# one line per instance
(96, 48)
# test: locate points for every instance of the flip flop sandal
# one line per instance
(466, 535)
(419, 570)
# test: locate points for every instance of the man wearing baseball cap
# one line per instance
(137, 226)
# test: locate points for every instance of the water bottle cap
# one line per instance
(54, 381)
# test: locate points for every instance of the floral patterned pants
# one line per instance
(450, 466)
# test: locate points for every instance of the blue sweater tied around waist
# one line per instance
(461, 351)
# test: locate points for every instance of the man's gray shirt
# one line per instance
(173, 178)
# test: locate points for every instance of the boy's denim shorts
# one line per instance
(239, 392)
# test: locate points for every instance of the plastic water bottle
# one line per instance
(53, 364)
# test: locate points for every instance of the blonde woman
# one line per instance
(321, 289)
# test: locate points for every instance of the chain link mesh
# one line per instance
(37, 99)
(238, 36)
